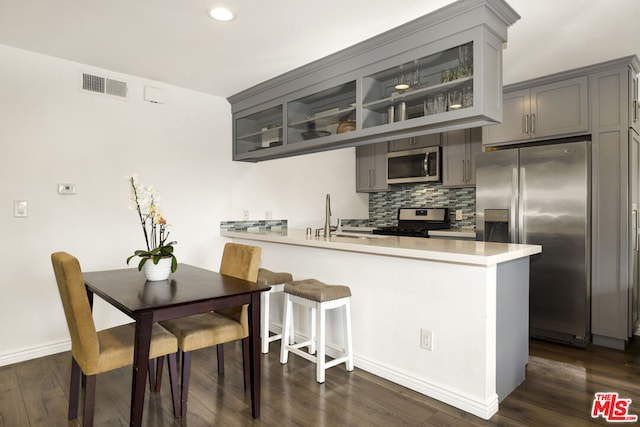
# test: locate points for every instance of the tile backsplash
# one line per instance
(383, 205)
(258, 225)
(383, 208)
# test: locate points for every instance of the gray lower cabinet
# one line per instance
(551, 110)
(371, 167)
(459, 149)
(421, 141)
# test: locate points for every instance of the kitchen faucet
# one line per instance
(327, 219)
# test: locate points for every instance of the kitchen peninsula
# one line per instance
(471, 297)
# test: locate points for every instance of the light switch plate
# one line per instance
(20, 208)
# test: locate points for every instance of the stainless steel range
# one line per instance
(416, 222)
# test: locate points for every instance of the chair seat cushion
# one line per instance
(204, 330)
(116, 347)
(270, 278)
(315, 290)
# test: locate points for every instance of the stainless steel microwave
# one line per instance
(417, 165)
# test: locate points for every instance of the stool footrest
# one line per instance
(273, 338)
(300, 344)
(303, 354)
(336, 361)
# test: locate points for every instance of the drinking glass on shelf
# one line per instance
(465, 59)
(416, 79)
(465, 55)
(448, 75)
(454, 98)
(440, 104)
(467, 96)
(429, 106)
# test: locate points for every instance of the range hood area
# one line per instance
(437, 73)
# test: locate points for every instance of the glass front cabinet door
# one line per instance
(414, 80)
(328, 112)
(258, 131)
(428, 86)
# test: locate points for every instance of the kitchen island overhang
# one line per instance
(472, 296)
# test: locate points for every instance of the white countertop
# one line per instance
(443, 250)
(461, 234)
(451, 234)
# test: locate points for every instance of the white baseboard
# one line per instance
(484, 410)
(35, 352)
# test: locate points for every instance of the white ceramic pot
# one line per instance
(160, 271)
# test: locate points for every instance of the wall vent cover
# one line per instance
(104, 85)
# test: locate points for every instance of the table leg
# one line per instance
(254, 353)
(140, 364)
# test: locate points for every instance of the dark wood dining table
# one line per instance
(189, 290)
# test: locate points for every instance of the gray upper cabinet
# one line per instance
(371, 168)
(437, 73)
(431, 140)
(634, 104)
(459, 150)
(555, 109)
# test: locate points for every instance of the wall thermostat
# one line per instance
(66, 189)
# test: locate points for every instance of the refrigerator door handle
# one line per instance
(513, 229)
(521, 196)
(634, 220)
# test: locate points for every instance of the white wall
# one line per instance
(294, 188)
(52, 132)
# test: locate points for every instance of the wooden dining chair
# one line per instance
(221, 326)
(94, 352)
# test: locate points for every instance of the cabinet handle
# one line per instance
(526, 124)
(464, 172)
(369, 178)
(372, 174)
(635, 110)
(533, 123)
(469, 171)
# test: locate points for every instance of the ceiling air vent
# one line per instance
(104, 85)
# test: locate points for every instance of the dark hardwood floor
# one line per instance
(558, 391)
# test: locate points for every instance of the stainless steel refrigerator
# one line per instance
(541, 195)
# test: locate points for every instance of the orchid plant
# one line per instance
(145, 200)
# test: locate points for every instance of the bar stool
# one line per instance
(276, 281)
(319, 297)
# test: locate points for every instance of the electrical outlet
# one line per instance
(459, 215)
(245, 215)
(426, 339)
(268, 215)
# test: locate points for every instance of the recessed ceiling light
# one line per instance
(222, 14)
